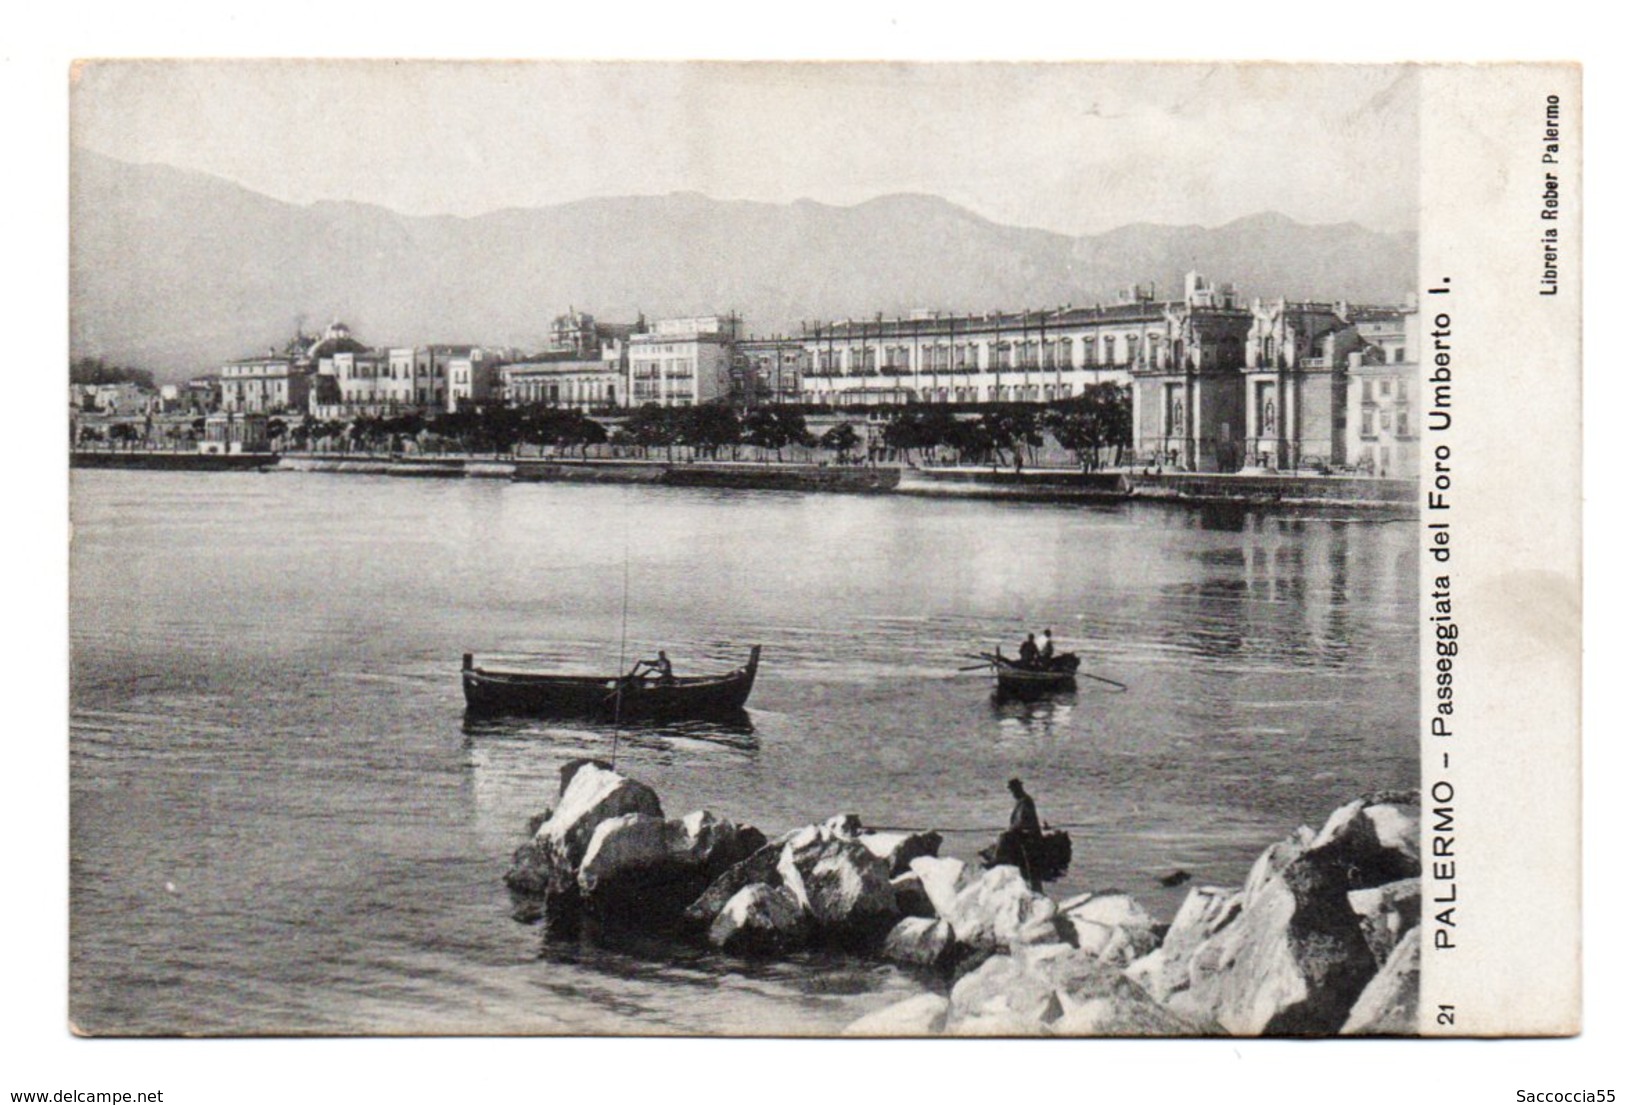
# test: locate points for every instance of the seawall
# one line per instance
(1388, 497)
(154, 460)
(1039, 484)
(1268, 490)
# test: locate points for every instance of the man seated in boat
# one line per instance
(1046, 651)
(658, 669)
(1029, 652)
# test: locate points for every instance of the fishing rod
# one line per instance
(620, 681)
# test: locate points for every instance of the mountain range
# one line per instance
(177, 271)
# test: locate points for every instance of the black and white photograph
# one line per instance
(594, 548)
(835, 549)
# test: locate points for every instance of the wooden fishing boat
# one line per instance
(631, 697)
(1016, 678)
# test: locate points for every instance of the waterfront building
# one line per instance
(470, 373)
(235, 432)
(203, 394)
(1181, 359)
(1032, 356)
(583, 337)
(353, 380)
(768, 370)
(585, 366)
(426, 373)
(1188, 404)
(564, 381)
(1295, 385)
(123, 398)
(1383, 385)
(344, 374)
(272, 384)
(683, 362)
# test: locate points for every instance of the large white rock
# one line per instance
(639, 846)
(921, 1015)
(1000, 998)
(912, 900)
(919, 942)
(1108, 908)
(898, 850)
(1376, 838)
(1292, 963)
(1206, 911)
(999, 911)
(1273, 860)
(942, 880)
(1057, 990)
(591, 794)
(1097, 999)
(1388, 1005)
(845, 888)
(1387, 913)
(1111, 926)
(633, 841)
(760, 920)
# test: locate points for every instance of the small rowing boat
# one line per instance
(1039, 677)
(641, 697)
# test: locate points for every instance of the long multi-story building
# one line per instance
(683, 362)
(273, 384)
(353, 380)
(1180, 357)
(1028, 356)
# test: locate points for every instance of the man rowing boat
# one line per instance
(659, 668)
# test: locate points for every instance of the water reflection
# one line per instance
(1044, 713)
(515, 762)
(735, 729)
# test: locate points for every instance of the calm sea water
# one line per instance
(282, 824)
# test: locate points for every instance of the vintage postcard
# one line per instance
(863, 549)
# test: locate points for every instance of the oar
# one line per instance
(619, 690)
(976, 667)
(1103, 679)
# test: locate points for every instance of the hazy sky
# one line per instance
(1068, 147)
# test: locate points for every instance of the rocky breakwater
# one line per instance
(1320, 939)
(607, 854)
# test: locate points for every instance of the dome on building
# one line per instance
(335, 339)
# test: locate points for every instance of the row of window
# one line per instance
(373, 370)
(969, 356)
(681, 368)
(1396, 421)
(1026, 393)
(1396, 387)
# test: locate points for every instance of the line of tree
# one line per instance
(95, 370)
(1100, 419)
(484, 430)
(1094, 423)
(708, 429)
(1096, 426)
